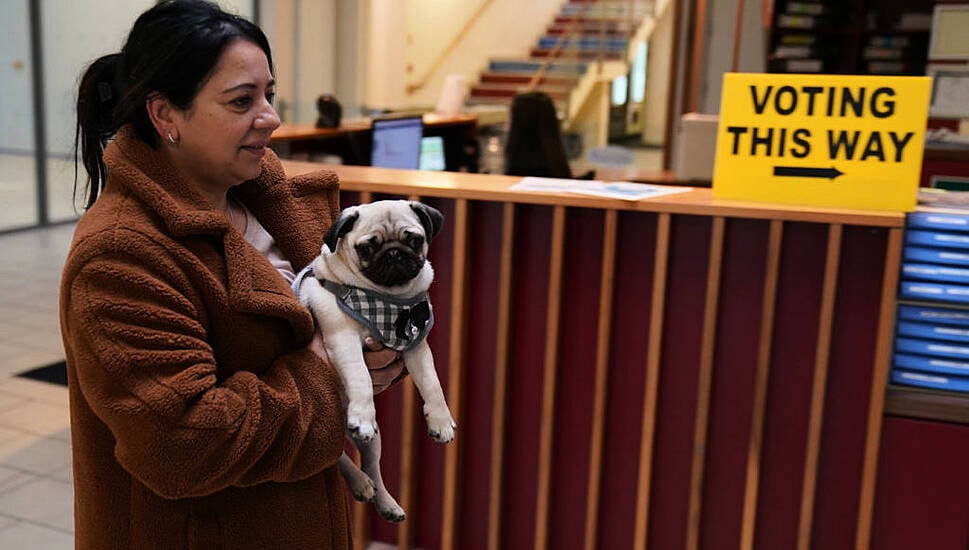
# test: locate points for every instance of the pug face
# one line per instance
(386, 241)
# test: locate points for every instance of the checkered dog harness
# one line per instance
(399, 324)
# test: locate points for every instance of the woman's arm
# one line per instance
(145, 366)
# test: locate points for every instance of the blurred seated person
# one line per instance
(534, 145)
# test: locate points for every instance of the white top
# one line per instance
(256, 235)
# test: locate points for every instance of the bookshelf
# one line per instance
(887, 37)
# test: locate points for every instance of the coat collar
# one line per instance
(155, 182)
(254, 286)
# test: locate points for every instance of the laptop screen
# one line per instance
(432, 153)
(397, 142)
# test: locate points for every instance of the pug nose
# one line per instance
(393, 253)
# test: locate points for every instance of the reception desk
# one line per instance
(679, 372)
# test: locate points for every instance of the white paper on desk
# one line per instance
(624, 190)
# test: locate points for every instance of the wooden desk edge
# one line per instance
(696, 201)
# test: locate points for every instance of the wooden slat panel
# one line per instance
(408, 452)
(362, 510)
(361, 516)
(547, 425)
(822, 360)
(603, 340)
(760, 384)
(408, 466)
(876, 402)
(704, 381)
(653, 355)
(456, 346)
(499, 412)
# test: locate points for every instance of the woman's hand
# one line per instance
(376, 355)
(386, 365)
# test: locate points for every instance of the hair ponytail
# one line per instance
(97, 96)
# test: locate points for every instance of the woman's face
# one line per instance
(224, 134)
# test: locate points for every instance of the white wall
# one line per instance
(399, 55)
(658, 77)
(76, 33)
(16, 102)
(721, 17)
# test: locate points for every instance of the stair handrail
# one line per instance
(559, 43)
(436, 64)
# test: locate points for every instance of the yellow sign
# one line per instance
(822, 140)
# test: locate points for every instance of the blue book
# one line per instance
(933, 220)
(932, 348)
(935, 255)
(926, 380)
(934, 314)
(919, 290)
(932, 272)
(931, 364)
(937, 238)
(939, 332)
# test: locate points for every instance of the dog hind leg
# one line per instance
(361, 485)
(370, 462)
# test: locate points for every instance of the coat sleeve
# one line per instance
(143, 364)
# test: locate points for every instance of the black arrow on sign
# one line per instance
(802, 172)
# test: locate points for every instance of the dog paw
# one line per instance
(440, 426)
(362, 422)
(363, 488)
(391, 511)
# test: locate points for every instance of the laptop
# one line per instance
(397, 142)
(432, 153)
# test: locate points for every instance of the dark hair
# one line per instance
(171, 50)
(534, 146)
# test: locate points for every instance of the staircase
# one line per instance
(580, 35)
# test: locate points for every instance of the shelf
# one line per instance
(847, 28)
(927, 404)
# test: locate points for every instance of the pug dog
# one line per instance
(371, 279)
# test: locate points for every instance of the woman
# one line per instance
(534, 144)
(203, 413)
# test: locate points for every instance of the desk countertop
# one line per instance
(698, 201)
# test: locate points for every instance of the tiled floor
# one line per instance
(36, 496)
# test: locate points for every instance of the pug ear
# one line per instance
(342, 226)
(431, 218)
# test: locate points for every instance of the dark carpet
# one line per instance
(55, 373)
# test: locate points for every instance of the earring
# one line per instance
(171, 139)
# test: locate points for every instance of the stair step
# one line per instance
(587, 30)
(522, 78)
(506, 101)
(530, 66)
(566, 20)
(584, 43)
(589, 55)
(617, 10)
(503, 90)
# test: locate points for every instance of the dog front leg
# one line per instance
(343, 347)
(370, 462)
(420, 364)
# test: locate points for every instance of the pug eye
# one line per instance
(415, 242)
(367, 248)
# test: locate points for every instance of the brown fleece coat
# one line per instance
(199, 418)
